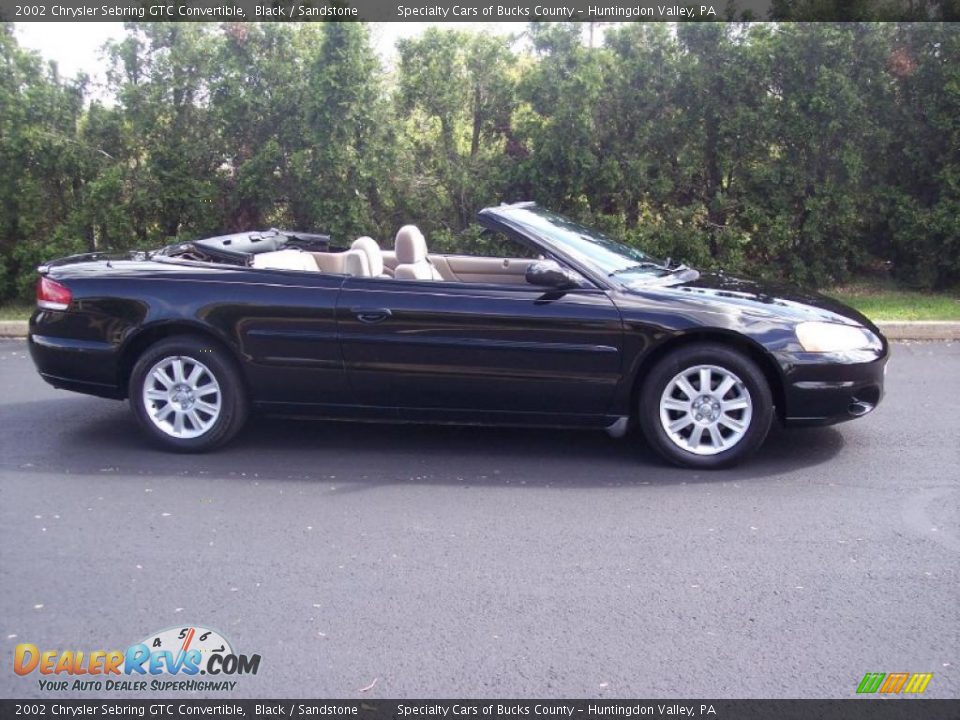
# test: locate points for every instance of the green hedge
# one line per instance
(813, 152)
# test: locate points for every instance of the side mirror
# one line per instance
(548, 273)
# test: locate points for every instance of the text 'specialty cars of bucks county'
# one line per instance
(550, 324)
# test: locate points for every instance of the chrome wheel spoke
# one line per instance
(716, 438)
(161, 377)
(685, 387)
(724, 387)
(680, 423)
(194, 375)
(674, 404)
(178, 370)
(206, 407)
(739, 403)
(154, 394)
(163, 412)
(731, 424)
(696, 435)
(705, 380)
(194, 419)
(205, 390)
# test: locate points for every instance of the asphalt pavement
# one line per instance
(363, 560)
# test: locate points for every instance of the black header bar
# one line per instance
(475, 10)
(167, 709)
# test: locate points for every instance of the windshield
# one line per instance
(592, 247)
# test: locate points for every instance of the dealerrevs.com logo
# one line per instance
(170, 660)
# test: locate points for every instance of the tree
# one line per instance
(257, 93)
(46, 164)
(160, 75)
(561, 91)
(338, 167)
(812, 152)
(919, 180)
(456, 95)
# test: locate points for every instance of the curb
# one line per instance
(913, 330)
(13, 328)
(921, 330)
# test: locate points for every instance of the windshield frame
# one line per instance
(529, 219)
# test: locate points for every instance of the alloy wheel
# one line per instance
(705, 410)
(182, 397)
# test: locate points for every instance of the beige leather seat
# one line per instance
(355, 263)
(330, 262)
(412, 262)
(371, 249)
(285, 260)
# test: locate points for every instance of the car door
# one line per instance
(465, 268)
(469, 349)
(284, 323)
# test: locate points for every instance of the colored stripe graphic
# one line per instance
(870, 683)
(894, 683)
(918, 682)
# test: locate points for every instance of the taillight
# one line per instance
(51, 295)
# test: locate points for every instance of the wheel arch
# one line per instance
(752, 349)
(148, 335)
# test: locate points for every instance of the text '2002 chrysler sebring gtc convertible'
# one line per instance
(551, 323)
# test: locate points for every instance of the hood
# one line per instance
(782, 300)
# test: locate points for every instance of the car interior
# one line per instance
(409, 260)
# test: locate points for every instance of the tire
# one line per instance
(196, 408)
(706, 430)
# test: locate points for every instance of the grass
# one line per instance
(16, 311)
(886, 302)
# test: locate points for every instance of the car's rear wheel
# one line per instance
(705, 406)
(187, 394)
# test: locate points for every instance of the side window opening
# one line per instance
(476, 241)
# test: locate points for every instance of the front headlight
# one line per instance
(833, 337)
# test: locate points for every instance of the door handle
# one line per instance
(371, 315)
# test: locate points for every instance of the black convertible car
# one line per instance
(552, 324)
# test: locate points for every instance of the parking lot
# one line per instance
(449, 562)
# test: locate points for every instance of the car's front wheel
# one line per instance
(705, 406)
(187, 394)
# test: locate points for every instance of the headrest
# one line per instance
(369, 246)
(355, 263)
(410, 245)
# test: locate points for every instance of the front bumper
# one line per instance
(828, 388)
